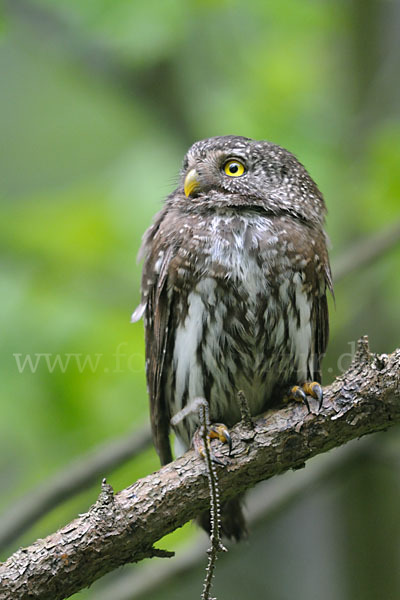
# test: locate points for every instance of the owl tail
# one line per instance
(233, 523)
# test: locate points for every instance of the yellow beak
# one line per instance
(191, 182)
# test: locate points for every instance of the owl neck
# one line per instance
(229, 204)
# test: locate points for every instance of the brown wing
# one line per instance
(321, 316)
(155, 307)
(308, 245)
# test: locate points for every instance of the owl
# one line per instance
(234, 291)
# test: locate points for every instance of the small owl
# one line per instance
(234, 287)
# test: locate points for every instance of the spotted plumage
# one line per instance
(234, 286)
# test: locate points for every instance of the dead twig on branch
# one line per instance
(123, 528)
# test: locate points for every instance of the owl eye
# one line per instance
(234, 168)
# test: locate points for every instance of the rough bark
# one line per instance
(122, 528)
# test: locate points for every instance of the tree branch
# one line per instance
(123, 528)
(366, 251)
(87, 469)
(82, 473)
(153, 85)
(263, 504)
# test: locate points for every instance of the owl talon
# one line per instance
(297, 394)
(216, 430)
(300, 393)
(220, 431)
(314, 389)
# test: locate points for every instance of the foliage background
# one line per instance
(99, 101)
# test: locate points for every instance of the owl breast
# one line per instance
(242, 317)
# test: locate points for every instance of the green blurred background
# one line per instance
(99, 101)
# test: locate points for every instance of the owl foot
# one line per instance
(310, 388)
(216, 430)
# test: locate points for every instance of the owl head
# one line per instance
(240, 172)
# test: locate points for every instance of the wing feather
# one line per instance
(155, 307)
(321, 321)
(157, 315)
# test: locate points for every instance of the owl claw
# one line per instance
(220, 431)
(216, 430)
(314, 390)
(300, 393)
(297, 394)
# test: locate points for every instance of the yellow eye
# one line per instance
(234, 168)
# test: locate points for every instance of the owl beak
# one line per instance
(191, 183)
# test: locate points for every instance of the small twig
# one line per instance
(201, 405)
(363, 354)
(189, 409)
(245, 413)
(215, 506)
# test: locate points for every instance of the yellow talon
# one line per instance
(216, 430)
(220, 431)
(314, 390)
(299, 393)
